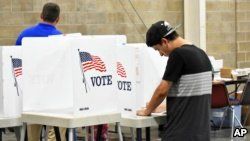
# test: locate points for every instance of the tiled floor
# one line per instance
(219, 135)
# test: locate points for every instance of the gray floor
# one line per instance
(218, 135)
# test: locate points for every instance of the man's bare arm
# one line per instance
(159, 95)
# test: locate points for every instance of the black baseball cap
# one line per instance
(157, 31)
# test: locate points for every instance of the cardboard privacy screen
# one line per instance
(126, 81)
(11, 81)
(150, 67)
(75, 73)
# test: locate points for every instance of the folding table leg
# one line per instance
(57, 133)
(138, 134)
(119, 131)
(99, 132)
(86, 133)
(46, 132)
(23, 131)
(232, 130)
(0, 134)
(238, 121)
(70, 134)
(147, 133)
(17, 131)
(92, 133)
(132, 134)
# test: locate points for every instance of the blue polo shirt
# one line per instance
(39, 30)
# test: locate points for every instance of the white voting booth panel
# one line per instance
(65, 73)
(150, 67)
(10, 85)
(126, 81)
(120, 40)
(67, 35)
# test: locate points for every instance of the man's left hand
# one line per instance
(142, 112)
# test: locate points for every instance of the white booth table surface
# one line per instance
(10, 122)
(69, 120)
(143, 121)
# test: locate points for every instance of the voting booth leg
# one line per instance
(119, 131)
(147, 133)
(57, 133)
(99, 132)
(70, 136)
(86, 133)
(138, 134)
(17, 131)
(132, 134)
(23, 131)
(46, 132)
(92, 131)
(1, 134)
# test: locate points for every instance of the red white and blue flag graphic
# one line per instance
(17, 66)
(91, 62)
(120, 70)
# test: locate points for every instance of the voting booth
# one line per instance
(150, 67)
(70, 74)
(11, 81)
(126, 81)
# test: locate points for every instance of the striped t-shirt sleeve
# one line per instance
(174, 67)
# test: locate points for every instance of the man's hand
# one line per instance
(142, 112)
(159, 95)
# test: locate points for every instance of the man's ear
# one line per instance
(41, 16)
(163, 40)
(57, 20)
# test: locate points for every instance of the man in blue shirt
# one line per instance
(50, 17)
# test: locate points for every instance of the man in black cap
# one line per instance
(187, 84)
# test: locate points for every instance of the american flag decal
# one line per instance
(91, 62)
(17, 66)
(120, 70)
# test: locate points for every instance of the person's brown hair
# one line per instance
(51, 12)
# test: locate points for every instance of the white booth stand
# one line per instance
(149, 69)
(10, 87)
(69, 81)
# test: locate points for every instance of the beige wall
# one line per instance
(225, 20)
(89, 16)
(243, 33)
(221, 31)
(228, 31)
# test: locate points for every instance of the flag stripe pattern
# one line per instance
(92, 62)
(17, 66)
(120, 70)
